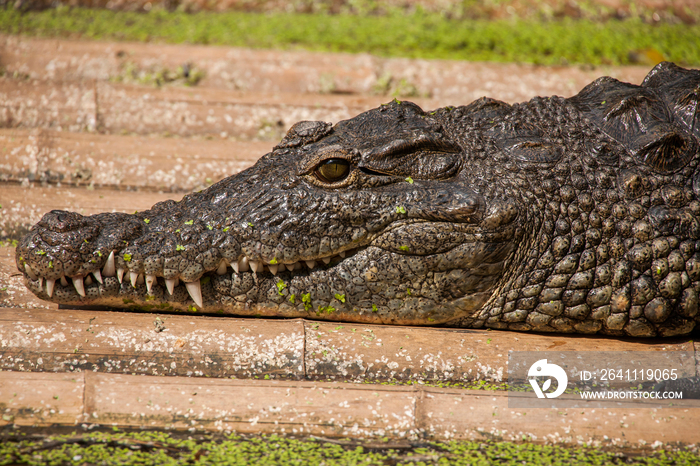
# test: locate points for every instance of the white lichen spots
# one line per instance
(344, 351)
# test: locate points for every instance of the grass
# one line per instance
(417, 34)
(162, 448)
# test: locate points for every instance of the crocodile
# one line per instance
(572, 215)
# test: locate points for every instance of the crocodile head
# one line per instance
(558, 214)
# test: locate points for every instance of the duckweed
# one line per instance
(117, 447)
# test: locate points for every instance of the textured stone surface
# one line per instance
(327, 409)
(49, 340)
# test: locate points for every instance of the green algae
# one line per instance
(418, 34)
(464, 385)
(165, 448)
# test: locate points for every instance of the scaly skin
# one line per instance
(555, 215)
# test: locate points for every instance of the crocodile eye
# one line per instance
(332, 170)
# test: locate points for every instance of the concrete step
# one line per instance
(247, 94)
(117, 108)
(327, 409)
(168, 164)
(297, 71)
(206, 346)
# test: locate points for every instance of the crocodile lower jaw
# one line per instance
(83, 285)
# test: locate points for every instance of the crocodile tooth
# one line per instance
(295, 266)
(243, 264)
(49, 286)
(273, 269)
(133, 276)
(234, 265)
(98, 275)
(326, 260)
(29, 271)
(342, 254)
(170, 284)
(281, 267)
(120, 274)
(310, 264)
(150, 279)
(139, 280)
(195, 291)
(108, 270)
(222, 268)
(64, 282)
(78, 284)
(256, 266)
(88, 280)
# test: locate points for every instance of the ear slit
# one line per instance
(367, 171)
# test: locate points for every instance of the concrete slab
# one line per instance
(70, 340)
(32, 399)
(133, 343)
(325, 409)
(367, 352)
(168, 164)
